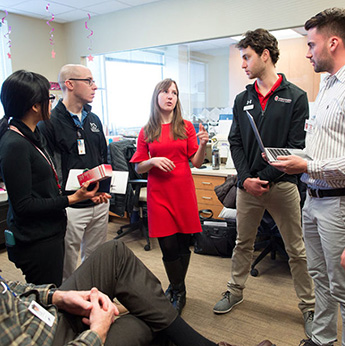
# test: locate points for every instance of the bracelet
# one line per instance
(50, 296)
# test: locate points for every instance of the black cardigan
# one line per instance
(36, 209)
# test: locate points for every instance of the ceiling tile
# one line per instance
(73, 16)
(107, 7)
(38, 8)
(78, 3)
(67, 10)
(137, 2)
(8, 3)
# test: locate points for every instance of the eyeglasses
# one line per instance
(51, 98)
(89, 80)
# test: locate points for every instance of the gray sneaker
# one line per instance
(308, 323)
(227, 303)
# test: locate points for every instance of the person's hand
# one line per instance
(102, 197)
(291, 164)
(74, 302)
(100, 318)
(202, 135)
(83, 194)
(255, 186)
(163, 163)
(342, 259)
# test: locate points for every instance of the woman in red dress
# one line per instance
(165, 146)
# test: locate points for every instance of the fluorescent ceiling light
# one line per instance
(278, 34)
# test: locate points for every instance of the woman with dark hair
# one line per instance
(165, 145)
(36, 217)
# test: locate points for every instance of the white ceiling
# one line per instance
(67, 10)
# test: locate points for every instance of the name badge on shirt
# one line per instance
(248, 107)
(81, 146)
(40, 312)
(309, 124)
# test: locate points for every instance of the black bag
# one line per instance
(215, 239)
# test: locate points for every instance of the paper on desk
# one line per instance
(119, 181)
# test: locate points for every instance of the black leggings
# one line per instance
(174, 245)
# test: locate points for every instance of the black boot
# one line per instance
(177, 292)
(185, 264)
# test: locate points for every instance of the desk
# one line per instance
(205, 180)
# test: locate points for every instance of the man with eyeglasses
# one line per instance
(76, 140)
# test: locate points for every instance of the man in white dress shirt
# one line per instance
(324, 210)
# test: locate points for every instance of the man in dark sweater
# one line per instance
(75, 137)
(280, 110)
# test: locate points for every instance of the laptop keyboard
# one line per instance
(278, 152)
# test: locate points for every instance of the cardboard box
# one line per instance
(98, 173)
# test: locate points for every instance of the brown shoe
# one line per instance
(265, 343)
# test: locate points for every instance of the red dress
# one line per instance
(171, 199)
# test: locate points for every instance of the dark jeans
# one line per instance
(41, 262)
(117, 272)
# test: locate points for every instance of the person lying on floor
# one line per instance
(81, 310)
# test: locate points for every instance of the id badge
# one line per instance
(40, 312)
(310, 124)
(81, 146)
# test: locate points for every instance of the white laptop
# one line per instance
(272, 153)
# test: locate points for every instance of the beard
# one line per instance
(324, 63)
(322, 66)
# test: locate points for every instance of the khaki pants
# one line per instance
(282, 201)
(86, 230)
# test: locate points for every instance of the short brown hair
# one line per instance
(259, 40)
(330, 21)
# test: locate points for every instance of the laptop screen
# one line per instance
(256, 131)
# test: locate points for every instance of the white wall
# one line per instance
(177, 21)
(31, 49)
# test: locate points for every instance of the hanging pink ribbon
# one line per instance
(91, 32)
(7, 35)
(3, 18)
(51, 32)
(90, 57)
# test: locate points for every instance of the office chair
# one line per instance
(134, 200)
(269, 236)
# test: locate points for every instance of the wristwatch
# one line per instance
(50, 296)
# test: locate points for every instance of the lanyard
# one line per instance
(50, 162)
(6, 287)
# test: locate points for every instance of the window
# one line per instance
(126, 81)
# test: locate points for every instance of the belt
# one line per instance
(326, 193)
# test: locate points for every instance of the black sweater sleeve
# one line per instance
(237, 150)
(29, 179)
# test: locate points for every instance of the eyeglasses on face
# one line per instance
(51, 98)
(89, 80)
